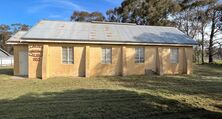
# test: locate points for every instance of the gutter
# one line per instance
(105, 43)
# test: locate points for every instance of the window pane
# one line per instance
(64, 55)
(103, 55)
(109, 55)
(139, 56)
(142, 55)
(174, 55)
(70, 58)
(67, 55)
(106, 55)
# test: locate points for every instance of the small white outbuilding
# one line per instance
(5, 58)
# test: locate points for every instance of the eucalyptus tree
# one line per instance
(215, 13)
(6, 31)
(144, 12)
(4, 35)
(86, 16)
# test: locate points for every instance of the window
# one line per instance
(139, 57)
(106, 55)
(67, 55)
(174, 55)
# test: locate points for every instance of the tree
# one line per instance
(86, 16)
(203, 19)
(215, 13)
(112, 15)
(6, 31)
(194, 18)
(144, 12)
(4, 35)
(19, 27)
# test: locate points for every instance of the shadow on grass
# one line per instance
(6, 71)
(208, 70)
(173, 85)
(99, 104)
(206, 80)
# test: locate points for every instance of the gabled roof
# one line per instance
(105, 32)
(17, 37)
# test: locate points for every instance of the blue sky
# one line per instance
(31, 11)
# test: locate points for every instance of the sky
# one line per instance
(31, 11)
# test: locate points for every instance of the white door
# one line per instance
(23, 63)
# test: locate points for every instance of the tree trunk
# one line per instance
(202, 43)
(220, 52)
(211, 37)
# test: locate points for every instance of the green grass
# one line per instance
(218, 62)
(196, 96)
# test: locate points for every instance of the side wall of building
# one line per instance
(133, 68)
(97, 68)
(57, 68)
(169, 68)
(45, 60)
(35, 52)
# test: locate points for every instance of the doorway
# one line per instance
(23, 63)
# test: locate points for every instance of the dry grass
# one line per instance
(182, 96)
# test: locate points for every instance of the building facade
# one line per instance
(52, 56)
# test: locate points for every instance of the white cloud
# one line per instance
(54, 9)
(67, 4)
(64, 5)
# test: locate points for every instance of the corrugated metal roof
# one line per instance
(17, 36)
(110, 32)
(4, 54)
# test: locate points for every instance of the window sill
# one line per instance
(139, 63)
(67, 64)
(174, 63)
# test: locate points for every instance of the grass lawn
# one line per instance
(197, 96)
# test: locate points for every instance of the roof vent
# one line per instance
(116, 23)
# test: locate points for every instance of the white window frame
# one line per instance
(106, 55)
(139, 55)
(174, 55)
(69, 59)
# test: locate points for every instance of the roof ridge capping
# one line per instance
(115, 23)
(51, 20)
(95, 22)
(104, 22)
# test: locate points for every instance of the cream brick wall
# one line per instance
(169, 68)
(88, 62)
(99, 69)
(133, 68)
(34, 67)
(57, 68)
